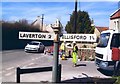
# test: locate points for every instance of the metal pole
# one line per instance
(55, 75)
(18, 75)
(59, 72)
(42, 21)
(75, 19)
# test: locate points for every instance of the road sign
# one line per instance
(36, 35)
(79, 37)
(65, 37)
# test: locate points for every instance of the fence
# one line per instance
(86, 54)
(34, 70)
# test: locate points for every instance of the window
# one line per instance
(115, 41)
(103, 41)
(41, 44)
(115, 25)
(119, 25)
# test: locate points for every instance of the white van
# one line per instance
(108, 39)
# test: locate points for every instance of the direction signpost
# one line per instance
(55, 36)
(36, 35)
(79, 37)
(64, 37)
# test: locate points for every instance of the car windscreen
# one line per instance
(33, 43)
(103, 40)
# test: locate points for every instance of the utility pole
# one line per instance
(42, 21)
(75, 18)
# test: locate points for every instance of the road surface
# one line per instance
(12, 59)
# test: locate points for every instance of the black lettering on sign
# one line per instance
(49, 36)
(84, 37)
(41, 36)
(77, 37)
(21, 35)
(92, 38)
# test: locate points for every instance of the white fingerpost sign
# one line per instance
(36, 35)
(79, 37)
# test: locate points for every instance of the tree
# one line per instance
(83, 23)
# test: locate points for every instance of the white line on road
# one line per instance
(3, 71)
(9, 68)
(18, 65)
(0, 80)
(25, 66)
(37, 58)
(0, 72)
(8, 74)
(30, 64)
(33, 59)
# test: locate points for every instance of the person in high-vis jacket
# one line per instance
(62, 48)
(74, 54)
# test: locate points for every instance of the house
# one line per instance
(98, 30)
(115, 20)
(44, 27)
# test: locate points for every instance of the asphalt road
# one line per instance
(18, 58)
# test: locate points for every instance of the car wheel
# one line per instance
(39, 50)
(43, 50)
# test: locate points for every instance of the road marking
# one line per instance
(3, 71)
(8, 74)
(25, 66)
(18, 65)
(33, 59)
(9, 68)
(0, 72)
(0, 80)
(37, 58)
(30, 64)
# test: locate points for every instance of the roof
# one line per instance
(115, 15)
(100, 29)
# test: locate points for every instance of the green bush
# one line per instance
(10, 33)
(118, 80)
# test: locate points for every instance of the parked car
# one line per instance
(34, 46)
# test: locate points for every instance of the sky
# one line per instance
(99, 11)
